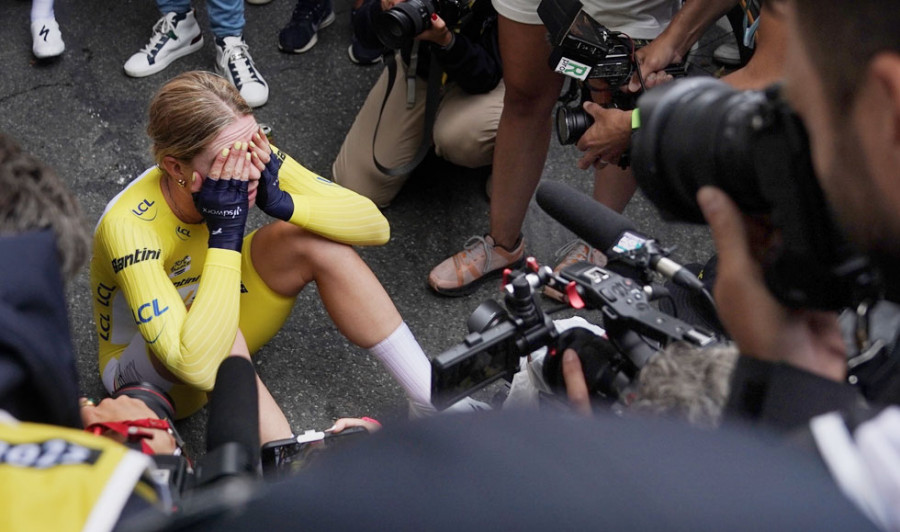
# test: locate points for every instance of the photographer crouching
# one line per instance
(411, 105)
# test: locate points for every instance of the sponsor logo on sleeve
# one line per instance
(180, 267)
(146, 210)
(147, 311)
(182, 233)
(103, 295)
(139, 255)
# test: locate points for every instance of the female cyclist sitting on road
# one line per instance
(177, 285)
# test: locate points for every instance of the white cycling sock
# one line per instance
(406, 361)
(41, 9)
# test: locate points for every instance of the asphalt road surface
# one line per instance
(83, 116)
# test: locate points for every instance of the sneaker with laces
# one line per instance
(308, 18)
(233, 62)
(575, 251)
(481, 259)
(174, 35)
(46, 39)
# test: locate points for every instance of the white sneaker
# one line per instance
(173, 36)
(233, 62)
(727, 53)
(47, 39)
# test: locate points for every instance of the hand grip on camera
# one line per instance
(222, 199)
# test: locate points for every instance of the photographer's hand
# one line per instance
(576, 387)
(761, 326)
(124, 408)
(653, 59)
(607, 138)
(438, 33)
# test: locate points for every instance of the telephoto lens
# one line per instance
(571, 123)
(403, 22)
(700, 131)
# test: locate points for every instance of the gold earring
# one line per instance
(181, 183)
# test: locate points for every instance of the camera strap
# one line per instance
(431, 104)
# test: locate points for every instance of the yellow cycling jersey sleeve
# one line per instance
(330, 210)
(189, 344)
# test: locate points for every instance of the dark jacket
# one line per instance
(38, 380)
(473, 60)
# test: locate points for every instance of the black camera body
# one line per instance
(585, 50)
(700, 131)
(582, 47)
(403, 22)
(281, 458)
(498, 339)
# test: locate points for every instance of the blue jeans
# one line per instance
(226, 17)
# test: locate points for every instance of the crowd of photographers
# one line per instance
(793, 360)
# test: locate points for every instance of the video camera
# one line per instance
(403, 22)
(700, 131)
(285, 457)
(585, 50)
(499, 338)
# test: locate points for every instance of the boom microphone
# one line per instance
(607, 230)
(232, 433)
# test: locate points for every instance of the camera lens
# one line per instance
(153, 396)
(697, 132)
(403, 22)
(571, 123)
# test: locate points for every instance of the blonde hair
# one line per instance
(189, 111)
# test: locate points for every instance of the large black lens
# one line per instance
(697, 132)
(401, 23)
(571, 123)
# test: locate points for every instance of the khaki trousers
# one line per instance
(464, 131)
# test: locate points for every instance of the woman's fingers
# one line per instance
(215, 172)
(242, 164)
(233, 157)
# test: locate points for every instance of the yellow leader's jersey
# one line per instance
(149, 267)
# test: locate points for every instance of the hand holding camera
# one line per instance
(807, 339)
(402, 21)
(606, 139)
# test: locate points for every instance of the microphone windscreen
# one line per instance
(590, 220)
(234, 407)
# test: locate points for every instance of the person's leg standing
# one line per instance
(233, 61)
(523, 138)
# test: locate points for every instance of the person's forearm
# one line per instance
(692, 20)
